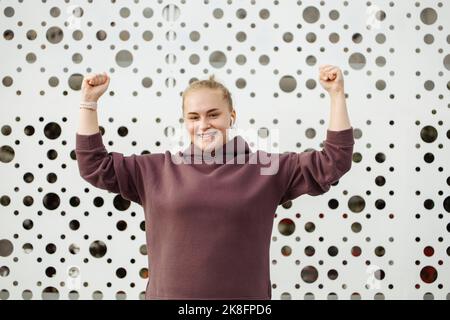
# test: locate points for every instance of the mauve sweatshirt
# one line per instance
(208, 225)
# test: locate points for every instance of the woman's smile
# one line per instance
(208, 135)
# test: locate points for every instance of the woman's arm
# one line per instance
(332, 81)
(313, 172)
(92, 88)
(110, 171)
(88, 122)
(338, 114)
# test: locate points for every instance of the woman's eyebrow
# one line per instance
(210, 110)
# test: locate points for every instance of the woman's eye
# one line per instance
(211, 115)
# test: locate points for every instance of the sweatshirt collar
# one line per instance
(232, 148)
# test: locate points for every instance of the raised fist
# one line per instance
(94, 85)
(331, 79)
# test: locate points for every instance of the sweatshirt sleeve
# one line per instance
(109, 171)
(313, 172)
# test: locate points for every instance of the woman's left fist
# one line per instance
(331, 79)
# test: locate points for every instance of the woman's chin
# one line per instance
(207, 145)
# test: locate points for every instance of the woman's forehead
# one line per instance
(204, 93)
(203, 101)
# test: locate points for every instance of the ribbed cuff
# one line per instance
(88, 141)
(342, 137)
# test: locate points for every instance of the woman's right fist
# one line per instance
(94, 85)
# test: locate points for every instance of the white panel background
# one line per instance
(370, 118)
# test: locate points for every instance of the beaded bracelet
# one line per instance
(89, 105)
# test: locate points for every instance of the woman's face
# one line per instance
(207, 117)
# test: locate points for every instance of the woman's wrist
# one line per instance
(89, 99)
(337, 94)
(88, 105)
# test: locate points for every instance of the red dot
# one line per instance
(356, 251)
(428, 251)
(428, 274)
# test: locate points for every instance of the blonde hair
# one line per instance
(211, 83)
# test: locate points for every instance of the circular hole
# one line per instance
(217, 59)
(286, 227)
(428, 16)
(311, 14)
(54, 35)
(6, 248)
(50, 293)
(124, 58)
(357, 61)
(98, 249)
(428, 274)
(288, 83)
(309, 274)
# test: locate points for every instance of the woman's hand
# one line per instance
(331, 79)
(94, 85)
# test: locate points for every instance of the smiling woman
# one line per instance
(208, 113)
(197, 211)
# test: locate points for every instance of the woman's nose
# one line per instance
(204, 124)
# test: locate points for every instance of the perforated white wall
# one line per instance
(382, 232)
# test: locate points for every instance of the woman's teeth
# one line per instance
(207, 136)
